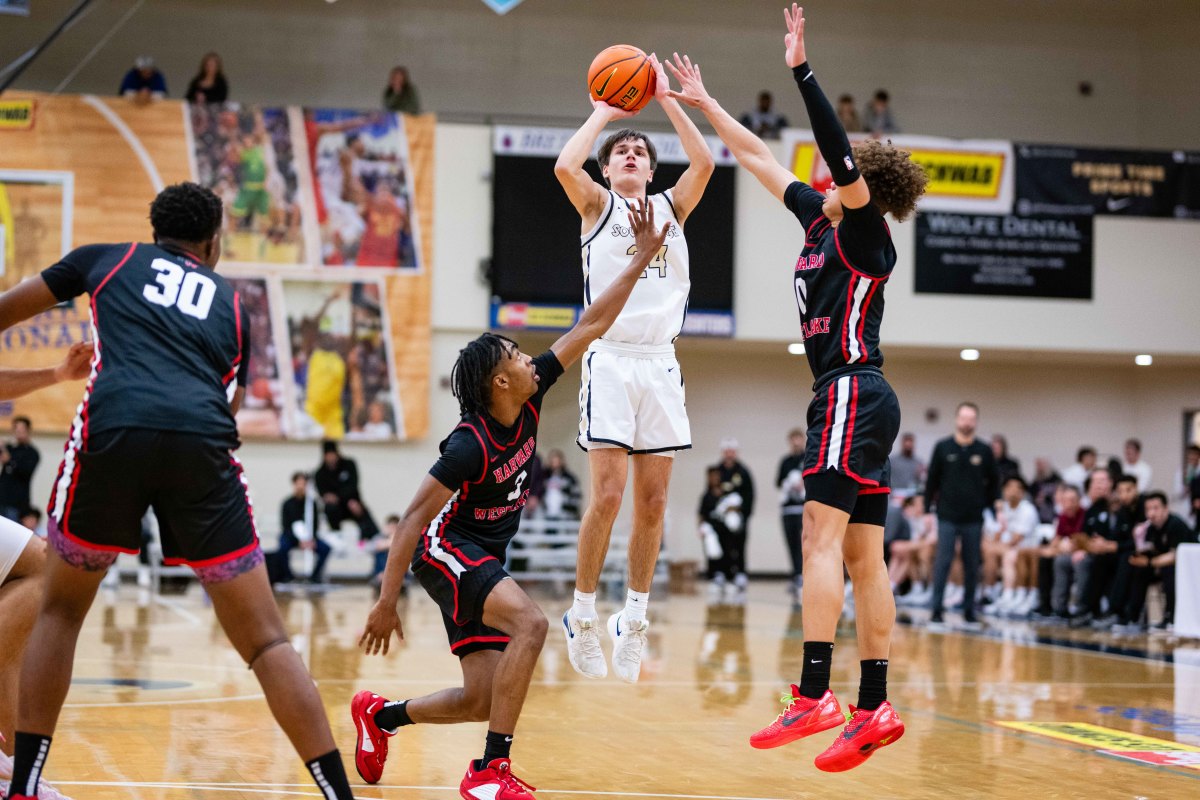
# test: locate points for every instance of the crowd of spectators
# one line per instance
(1081, 548)
(145, 83)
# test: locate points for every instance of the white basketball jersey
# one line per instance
(655, 311)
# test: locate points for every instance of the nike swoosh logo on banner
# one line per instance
(367, 745)
(603, 86)
(787, 723)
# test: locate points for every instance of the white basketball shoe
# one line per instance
(629, 642)
(583, 645)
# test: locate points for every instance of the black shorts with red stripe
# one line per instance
(194, 485)
(853, 421)
(459, 575)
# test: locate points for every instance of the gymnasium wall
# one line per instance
(965, 69)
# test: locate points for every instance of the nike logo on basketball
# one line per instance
(603, 86)
(367, 745)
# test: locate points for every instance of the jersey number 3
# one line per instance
(659, 263)
(191, 292)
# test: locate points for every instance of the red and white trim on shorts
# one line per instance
(837, 439)
(454, 648)
(63, 494)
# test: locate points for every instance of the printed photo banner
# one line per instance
(87, 170)
(965, 175)
(1003, 255)
(1057, 179)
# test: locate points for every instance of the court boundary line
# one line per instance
(135, 144)
(280, 788)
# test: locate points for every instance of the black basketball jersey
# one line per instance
(170, 334)
(486, 464)
(839, 282)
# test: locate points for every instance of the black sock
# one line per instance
(330, 776)
(29, 757)
(814, 678)
(872, 686)
(393, 715)
(498, 745)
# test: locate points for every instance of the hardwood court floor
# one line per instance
(163, 709)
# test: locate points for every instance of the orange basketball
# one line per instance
(622, 76)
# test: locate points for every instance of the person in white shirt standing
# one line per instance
(1132, 464)
(1077, 474)
(632, 397)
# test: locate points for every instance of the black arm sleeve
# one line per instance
(243, 374)
(548, 371)
(827, 129)
(461, 461)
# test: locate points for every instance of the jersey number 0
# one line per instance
(191, 292)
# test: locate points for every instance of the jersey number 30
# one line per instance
(659, 263)
(191, 292)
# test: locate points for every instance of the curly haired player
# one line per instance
(854, 416)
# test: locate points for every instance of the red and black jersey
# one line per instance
(487, 465)
(839, 282)
(171, 337)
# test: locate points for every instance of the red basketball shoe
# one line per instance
(802, 716)
(371, 751)
(496, 782)
(866, 732)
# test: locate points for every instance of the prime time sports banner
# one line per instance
(1058, 179)
(972, 176)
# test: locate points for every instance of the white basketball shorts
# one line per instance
(13, 538)
(632, 397)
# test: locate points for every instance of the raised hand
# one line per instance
(610, 113)
(647, 239)
(691, 86)
(662, 86)
(793, 42)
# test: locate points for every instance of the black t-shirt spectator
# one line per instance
(1113, 525)
(341, 479)
(793, 502)
(1173, 533)
(1194, 490)
(16, 475)
(961, 481)
(217, 93)
(299, 509)
(737, 479)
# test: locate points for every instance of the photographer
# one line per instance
(18, 461)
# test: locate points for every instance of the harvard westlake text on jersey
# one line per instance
(487, 464)
(839, 280)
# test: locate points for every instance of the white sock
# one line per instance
(636, 604)
(585, 605)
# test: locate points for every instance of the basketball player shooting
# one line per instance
(456, 531)
(632, 398)
(854, 415)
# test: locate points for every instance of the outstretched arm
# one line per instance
(691, 184)
(76, 365)
(431, 497)
(827, 128)
(585, 194)
(748, 149)
(603, 311)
